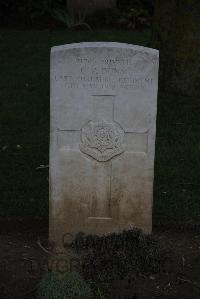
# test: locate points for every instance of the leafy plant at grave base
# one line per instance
(119, 256)
(70, 20)
(69, 285)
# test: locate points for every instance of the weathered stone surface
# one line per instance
(102, 140)
(103, 126)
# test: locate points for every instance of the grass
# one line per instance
(24, 138)
(177, 188)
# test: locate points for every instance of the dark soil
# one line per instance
(23, 262)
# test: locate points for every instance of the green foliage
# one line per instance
(135, 15)
(70, 20)
(43, 13)
(69, 285)
(135, 19)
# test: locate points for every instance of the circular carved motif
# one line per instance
(102, 140)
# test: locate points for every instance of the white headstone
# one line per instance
(103, 127)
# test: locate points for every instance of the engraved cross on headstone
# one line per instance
(104, 139)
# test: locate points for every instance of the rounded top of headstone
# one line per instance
(104, 45)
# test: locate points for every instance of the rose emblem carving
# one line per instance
(102, 140)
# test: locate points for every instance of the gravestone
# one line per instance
(102, 143)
